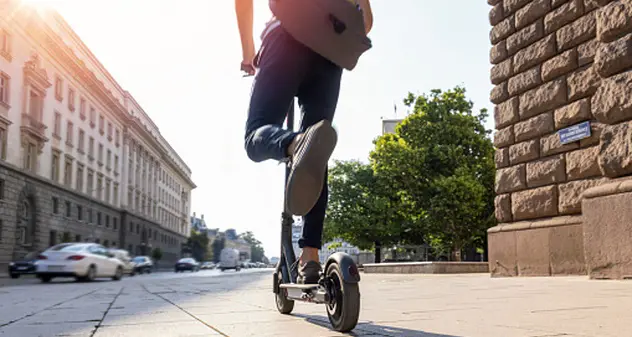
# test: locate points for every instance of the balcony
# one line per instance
(33, 127)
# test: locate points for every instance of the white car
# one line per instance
(84, 261)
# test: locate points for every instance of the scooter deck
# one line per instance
(298, 286)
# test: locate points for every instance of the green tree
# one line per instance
(156, 254)
(198, 245)
(256, 250)
(362, 210)
(217, 246)
(440, 160)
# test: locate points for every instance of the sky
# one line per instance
(180, 60)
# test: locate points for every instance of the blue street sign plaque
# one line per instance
(574, 133)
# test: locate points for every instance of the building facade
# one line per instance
(79, 158)
(562, 77)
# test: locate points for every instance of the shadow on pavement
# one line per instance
(370, 329)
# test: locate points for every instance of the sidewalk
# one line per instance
(452, 305)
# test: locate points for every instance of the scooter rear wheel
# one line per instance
(344, 310)
(283, 304)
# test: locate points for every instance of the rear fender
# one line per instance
(348, 267)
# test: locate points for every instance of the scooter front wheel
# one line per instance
(283, 304)
(344, 309)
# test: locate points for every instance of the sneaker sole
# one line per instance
(306, 180)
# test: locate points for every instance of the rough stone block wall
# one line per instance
(557, 63)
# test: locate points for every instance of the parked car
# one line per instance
(187, 263)
(83, 261)
(23, 266)
(207, 265)
(129, 267)
(229, 259)
(143, 264)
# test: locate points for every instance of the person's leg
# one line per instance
(283, 64)
(318, 97)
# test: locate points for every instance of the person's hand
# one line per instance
(248, 67)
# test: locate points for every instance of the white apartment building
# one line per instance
(80, 160)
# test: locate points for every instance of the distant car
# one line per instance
(207, 265)
(229, 259)
(187, 263)
(83, 261)
(143, 264)
(129, 267)
(23, 266)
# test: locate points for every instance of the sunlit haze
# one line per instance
(180, 60)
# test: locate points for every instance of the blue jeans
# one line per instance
(288, 69)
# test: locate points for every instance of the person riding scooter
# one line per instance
(286, 68)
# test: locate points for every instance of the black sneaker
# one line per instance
(308, 165)
(309, 273)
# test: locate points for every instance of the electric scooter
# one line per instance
(338, 287)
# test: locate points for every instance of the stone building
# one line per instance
(558, 64)
(79, 158)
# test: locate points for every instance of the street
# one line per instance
(211, 303)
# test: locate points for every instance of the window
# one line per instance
(100, 187)
(91, 148)
(101, 125)
(82, 139)
(57, 125)
(5, 44)
(131, 227)
(79, 213)
(100, 154)
(30, 157)
(68, 210)
(109, 159)
(99, 218)
(59, 89)
(115, 192)
(110, 135)
(36, 104)
(1, 189)
(69, 133)
(116, 163)
(115, 223)
(107, 221)
(93, 117)
(79, 184)
(118, 137)
(89, 215)
(54, 176)
(108, 184)
(55, 205)
(3, 144)
(52, 238)
(4, 88)
(82, 108)
(71, 99)
(90, 182)
(68, 172)
(77, 238)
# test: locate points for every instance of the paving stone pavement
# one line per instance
(210, 303)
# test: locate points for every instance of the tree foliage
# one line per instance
(217, 246)
(198, 245)
(362, 210)
(156, 254)
(440, 162)
(256, 250)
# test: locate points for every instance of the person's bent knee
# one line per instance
(252, 142)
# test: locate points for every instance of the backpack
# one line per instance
(332, 28)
